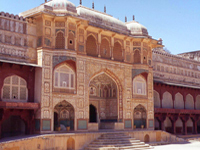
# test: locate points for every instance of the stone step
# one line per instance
(117, 141)
(116, 144)
(119, 148)
(114, 137)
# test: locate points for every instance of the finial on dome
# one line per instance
(45, 1)
(133, 17)
(105, 9)
(160, 41)
(125, 19)
(92, 5)
(80, 2)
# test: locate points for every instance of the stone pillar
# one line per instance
(185, 127)
(173, 120)
(195, 127)
(174, 127)
(111, 48)
(162, 118)
(184, 119)
(98, 49)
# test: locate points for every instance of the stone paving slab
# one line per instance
(190, 145)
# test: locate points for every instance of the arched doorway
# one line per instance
(13, 126)
(63, 116)
(140, 117)
(146, 138)
(104, 94)
(198, 126)
(93, 113)
(70, 144)
(168, 125)
(179, 126)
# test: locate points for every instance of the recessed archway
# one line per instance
(13, 126)
(63, 116)
(140, 117)
(70, 144)
(103, 92)
(93, 113)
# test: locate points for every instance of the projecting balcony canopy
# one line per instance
(176, 111)
(19, 105)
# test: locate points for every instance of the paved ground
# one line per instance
(191, 145)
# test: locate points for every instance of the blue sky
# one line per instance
(177, 22)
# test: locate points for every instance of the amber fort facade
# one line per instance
(74, 69)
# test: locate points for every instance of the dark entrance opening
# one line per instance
(198, 126)
(93, 114)
(56, 124)
(13, 126)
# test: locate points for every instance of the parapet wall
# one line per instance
(79, 140)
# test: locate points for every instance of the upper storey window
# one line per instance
(60, 40)
(139, 85)
(14, 88)
(64, 77)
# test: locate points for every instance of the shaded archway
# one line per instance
(156, 99)
(13, 126)
(198, 126)
(157, 124)
(179, 103)
(146, 138)
(189, 126)
(118, 52)
(70, 144)
(167, 100)
(140, 116)
(91, 46)
(168, 125)
(64, 113)
(103, 94)
(93, 113)
(105, 49)
(179, 126)
(60, 40)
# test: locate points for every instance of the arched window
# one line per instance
(14, 88)
(117, 52)
(60, 40)
(139, 85)
(105, 49)
(91, 47)
(64, 77)
(137, 57)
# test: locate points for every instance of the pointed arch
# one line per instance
(91, 45)
(197, 103)
(60, 40)
(65, 115)
(139, 85)
(118, 51)
(156, 99)
(14, 89)
(145, 54)
(189, 102)
(167, 100)
(71, 42)
(105, 48)
(70, 144)
(136, 56)
(119, 88)
(140, 116)
(178, 102)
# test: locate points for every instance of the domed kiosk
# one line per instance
(61, 5)
(137, 29)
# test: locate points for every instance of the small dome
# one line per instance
(62, 5)
(136, 28)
